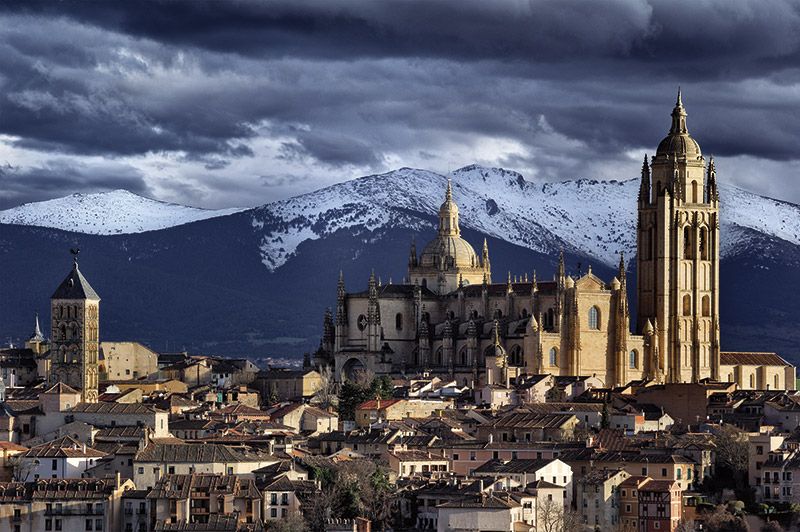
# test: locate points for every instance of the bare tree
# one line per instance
(326, 393)
(551, 516)
(732, 448)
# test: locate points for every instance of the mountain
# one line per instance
(256, 282)
(107, 213)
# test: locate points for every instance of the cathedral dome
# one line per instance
(679, 142)
(449, 251)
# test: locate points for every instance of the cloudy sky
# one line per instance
(220, 104)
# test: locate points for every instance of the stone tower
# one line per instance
(75, 309)
(678, 258)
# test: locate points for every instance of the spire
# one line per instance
(448, 214)
(644, 187)
(485, 255)
(37, 335)
(561, 268)
(412, 256)
(509, 286)
(621, 274)
(678, 117)
(534, 284)
(711, 182)
(340, 292)
(496, 333)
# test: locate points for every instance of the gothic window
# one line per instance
(651, 243)
(553, 356)
(687, 305)
(398, 322)
(704, 243)
(550, 320)
(516, 356)
(462, 356)
(524, 313)
(594, 318)
(361, 322)
(687, 243)
(633, 359)
(498, 314)
(424, 283)
(694, 191)
(706, 306)
(437, 359)
(75, 334)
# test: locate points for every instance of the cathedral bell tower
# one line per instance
(678, 258)
(75, 309)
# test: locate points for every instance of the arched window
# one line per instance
(633, 359)
(550, 320)
(524, 313)
(687, 305)
(753, 382)
(462, 356)
(694, 191)
(704, 243)
(398, 321)
(687, 243)
(424, 283)
(474, 314)
(516, 356)
(498, 314)
(706, 306)
(594, 318)
(553, 356)
(437, 359)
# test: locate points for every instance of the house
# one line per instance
(597, 498)
(196, 498)
(480, 512)
(63, 504)
(284, 497)
(305, 418)
(287, 384)
(465, 456)
(648, 505)
(422, 463)
(523, 472)
(61, 458)
(380, 410)
(125, 361)
(760, 445)
(120, 415)
(159, 459)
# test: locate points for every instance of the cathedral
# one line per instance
(450, 319)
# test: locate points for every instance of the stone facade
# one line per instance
(75, 309)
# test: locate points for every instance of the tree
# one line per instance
(721, 520)
(552, 517)
(326, 393)
(354, 392)
(732, 448)
(293, 523)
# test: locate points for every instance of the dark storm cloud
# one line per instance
(53, 178)
(355, 85)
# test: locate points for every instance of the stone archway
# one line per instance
(352, 367)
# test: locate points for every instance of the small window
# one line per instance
(594, 319)
(398, 321)
(633, 360)
(553, 356)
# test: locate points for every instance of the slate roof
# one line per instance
(113, 408)
(514, 466)
(180, 486)
(751, 359)
(531, 420)
(483, 501)
(75, 286)
(64, 447)
(192, 453)
(61, 388)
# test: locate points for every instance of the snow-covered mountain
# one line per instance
(595, 218)
(107, 213)
(257, 282)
